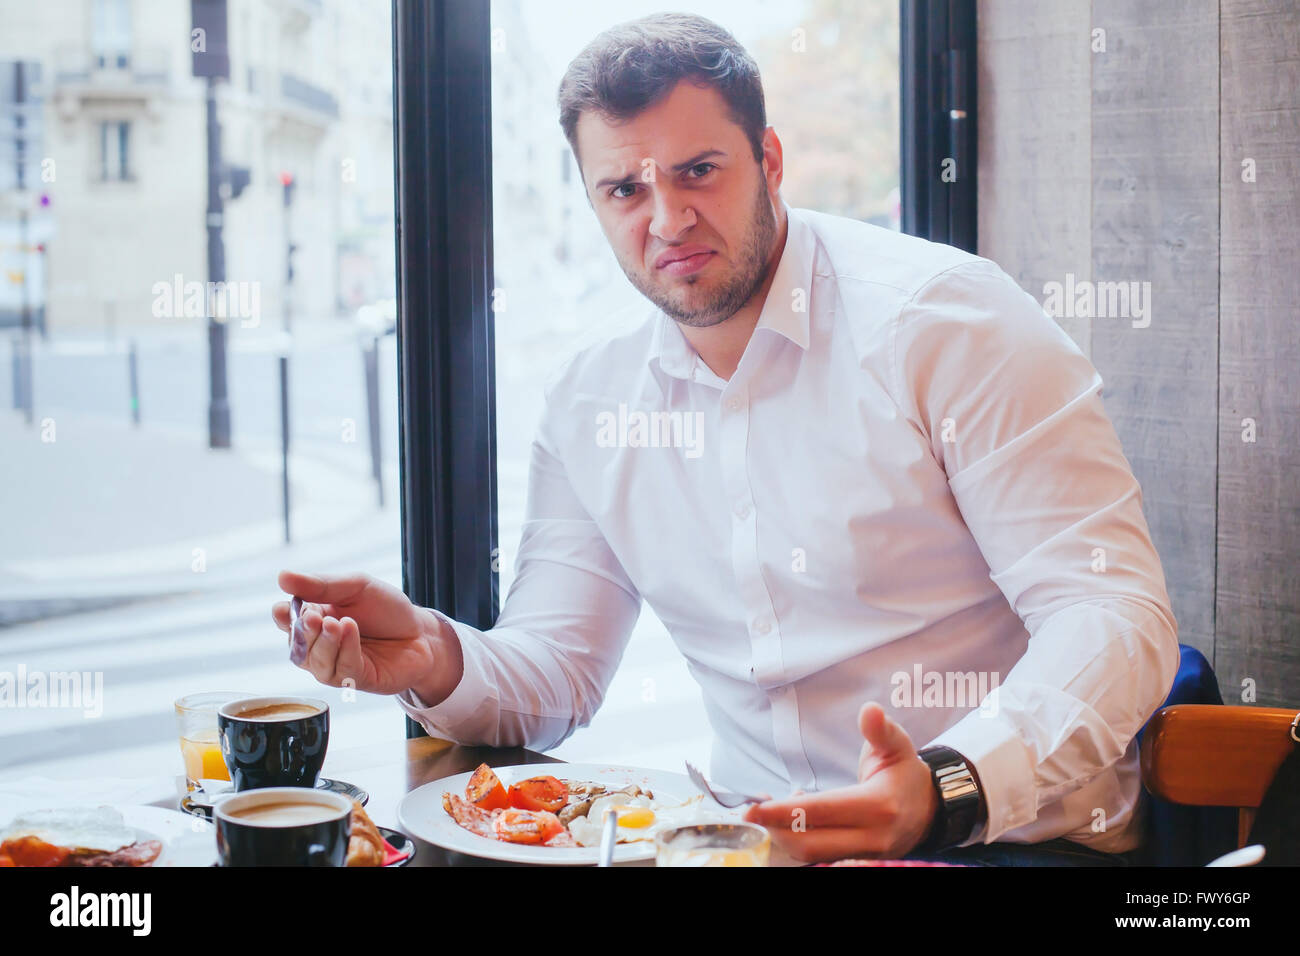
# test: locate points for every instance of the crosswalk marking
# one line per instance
(153, 652)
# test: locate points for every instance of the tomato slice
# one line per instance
(31, 851)
(540, 793)
(526, 826)
(485, 790)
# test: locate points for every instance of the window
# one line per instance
(830, 74)
(110, 36)
(115, 151)
(465, 366)
(132, 550)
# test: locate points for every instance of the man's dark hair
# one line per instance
(632, 66)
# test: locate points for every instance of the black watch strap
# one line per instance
(959, 799)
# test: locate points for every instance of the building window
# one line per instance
(115, 151)
(110, 37)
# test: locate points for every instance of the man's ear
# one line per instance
(773, 159)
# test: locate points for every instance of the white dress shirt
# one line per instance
(909, 475)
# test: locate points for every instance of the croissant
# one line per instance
(366, 847)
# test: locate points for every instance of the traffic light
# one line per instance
(286, 180)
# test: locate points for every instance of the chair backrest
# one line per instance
(1212, 755)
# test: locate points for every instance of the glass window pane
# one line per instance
(830, 72)
(132, 552)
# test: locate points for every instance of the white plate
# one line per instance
(187, 840)
(421, 813)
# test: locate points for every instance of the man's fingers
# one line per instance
(324, 588)
(886, 737)
(350, 663)
(324, 653)
(855, 806)
(280, 614)
(837, 843)
(300, 644)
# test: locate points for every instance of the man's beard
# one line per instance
(737, 289)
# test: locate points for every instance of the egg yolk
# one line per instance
(635, 818)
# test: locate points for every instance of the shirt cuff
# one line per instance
(467, 699)
(1006, 773)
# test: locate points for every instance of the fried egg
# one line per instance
(78, 828)
(639, 818)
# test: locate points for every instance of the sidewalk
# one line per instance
(107, 513)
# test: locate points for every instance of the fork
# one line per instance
(297, 639)
(736, 799)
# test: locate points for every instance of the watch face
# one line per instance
(959, 798)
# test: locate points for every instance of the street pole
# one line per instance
(286, 181)
(28, 398)
(20, 153)
(219, 404)
(284, 441)
(370, 360)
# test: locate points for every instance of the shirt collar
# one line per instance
(783, 312)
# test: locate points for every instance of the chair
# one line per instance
(1178, 835)
(1199, 760)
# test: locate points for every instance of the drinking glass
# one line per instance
(713, 844)
(196, 719)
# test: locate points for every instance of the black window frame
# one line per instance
(442, 121)
(937, 100)
(442, 94)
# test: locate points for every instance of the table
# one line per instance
(390, 769)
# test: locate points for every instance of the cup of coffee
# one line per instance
(283, 826)
(274, 741)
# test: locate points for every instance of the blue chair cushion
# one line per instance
(1179, 835)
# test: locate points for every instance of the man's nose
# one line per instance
(673, 215)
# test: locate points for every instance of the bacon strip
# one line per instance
(563, 838)
(32, 851)
(136, 854)
(472, 818)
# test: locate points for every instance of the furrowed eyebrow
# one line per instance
(680, 167)
(616, 180)
(698, 158)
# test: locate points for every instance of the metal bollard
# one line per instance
(284, 438)
(133, 373)
(370, 359)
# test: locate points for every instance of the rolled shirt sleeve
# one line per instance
(1013, 412)
(542, 670)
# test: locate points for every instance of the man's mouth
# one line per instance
(676, 264)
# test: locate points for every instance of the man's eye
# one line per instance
(705, 167)
(617, 195)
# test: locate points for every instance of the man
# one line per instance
(903, 520)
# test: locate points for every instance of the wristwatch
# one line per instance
(960, 800)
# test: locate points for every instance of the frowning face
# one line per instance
(690, 215)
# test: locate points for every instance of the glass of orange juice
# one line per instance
(196, 719)
(713, 844)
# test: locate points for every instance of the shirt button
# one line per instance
(742, 509)
(763, 625)
(733, 403)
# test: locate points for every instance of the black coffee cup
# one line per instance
(283, 826)
(274, 741)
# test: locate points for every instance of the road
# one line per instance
(217, 635)
(149, 653)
